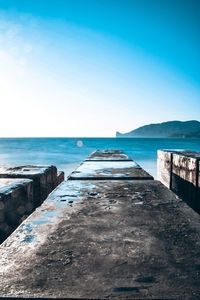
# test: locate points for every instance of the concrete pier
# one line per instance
(105, 239)
(179, 171)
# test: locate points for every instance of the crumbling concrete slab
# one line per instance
(16, 203)
(108, 155)
(44, 178)
(105, 239)
(97, 170)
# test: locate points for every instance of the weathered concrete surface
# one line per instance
(60, 177)
(188, 153)
(179, 171)
(44, 178)
(16, 203)
(105, 239)
(198, 191)
(109, 155)
(185, 175)
(164, 167)
(97, 170)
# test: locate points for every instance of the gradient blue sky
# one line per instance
(93, 67)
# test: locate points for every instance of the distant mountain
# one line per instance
(171, 129)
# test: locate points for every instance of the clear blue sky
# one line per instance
(93, 67)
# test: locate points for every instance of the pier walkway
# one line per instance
(108, 232)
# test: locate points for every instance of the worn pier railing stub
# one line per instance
(101, 239)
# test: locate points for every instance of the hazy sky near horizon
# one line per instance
(94, 67)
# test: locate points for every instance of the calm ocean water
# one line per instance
(67, 153)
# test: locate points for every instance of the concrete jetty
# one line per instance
(180, 172)
(105, 239)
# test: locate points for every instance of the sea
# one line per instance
(68, 153)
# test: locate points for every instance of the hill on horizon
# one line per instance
(170, 129)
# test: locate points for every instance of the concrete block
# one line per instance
(16, 201)
(44, 178)
(60, 177)
(185, 178)
(108, 155)
(105, 239)
(198, 190)
(179, 171)
(97, 170)
(164, 167)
